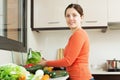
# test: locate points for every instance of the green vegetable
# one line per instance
(46, 72)
(30, 77)
(59, 73)
(33, 57)
(64, 73)
(34, 68)
(52, 74)
(11, 72)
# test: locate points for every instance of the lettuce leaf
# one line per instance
(33, 57)
(11, 71)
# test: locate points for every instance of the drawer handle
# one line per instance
(91, 21)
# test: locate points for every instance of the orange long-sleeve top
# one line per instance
(76, 54)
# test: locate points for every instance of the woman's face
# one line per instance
(73, 18)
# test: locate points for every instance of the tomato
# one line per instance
(28, 65)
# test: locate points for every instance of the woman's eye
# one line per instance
(67, 15)
(74, 15)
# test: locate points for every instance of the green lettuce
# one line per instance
(33, 57)
(11, 71)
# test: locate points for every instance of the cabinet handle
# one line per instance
(53, 22)
(7, 24)
(91, 21)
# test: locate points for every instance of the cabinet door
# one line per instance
(50, 13)
(114, 10)
(95, 12)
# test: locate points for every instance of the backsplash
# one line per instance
(5, 57)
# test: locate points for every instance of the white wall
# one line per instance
(1, 17)
(12, 57)
(5, 57)
(104, 46)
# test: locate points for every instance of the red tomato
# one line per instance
(28, 65)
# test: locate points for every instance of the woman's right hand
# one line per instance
(43, 62)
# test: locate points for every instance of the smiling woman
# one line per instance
(13, 21)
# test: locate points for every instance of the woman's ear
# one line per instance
(82, 19)
(82, 16)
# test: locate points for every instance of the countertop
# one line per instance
(60, 78)
(104, 72)
(94, 72)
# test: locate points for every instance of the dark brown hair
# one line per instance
(77, 7)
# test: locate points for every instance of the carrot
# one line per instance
(45, 77)
(22, 77)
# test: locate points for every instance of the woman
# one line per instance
(76, 52)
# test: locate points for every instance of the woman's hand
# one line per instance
(43, 62)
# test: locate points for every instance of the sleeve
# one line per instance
(71, 52)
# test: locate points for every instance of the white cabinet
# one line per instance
(50, 13)
(113, 10)
(95, 12)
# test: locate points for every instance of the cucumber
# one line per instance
(34, 68)
(64, 73)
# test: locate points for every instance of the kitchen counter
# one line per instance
(60, 78)
(94, 72)
(104, 72)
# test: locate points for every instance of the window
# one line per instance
(13, 25)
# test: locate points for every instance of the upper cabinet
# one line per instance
(49, 14)
(113, 10)
(95, 12)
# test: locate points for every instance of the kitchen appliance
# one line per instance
(113, 65)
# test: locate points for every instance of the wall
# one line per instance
(1, 17)
(12, 57)
(5, 57)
